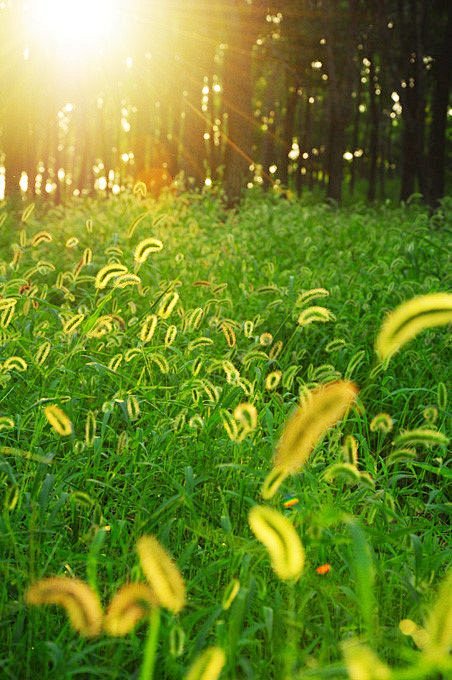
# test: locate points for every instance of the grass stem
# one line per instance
(150, 649)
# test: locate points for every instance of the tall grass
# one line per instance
(152, 354)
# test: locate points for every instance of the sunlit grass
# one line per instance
(154, 407)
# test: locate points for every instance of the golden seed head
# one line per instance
(382, 422)
(130, 604)
(161, 573)
(278, 535)
(410, 318)
(208, 665)
(80, 601)
(58, 420)
(323, 407)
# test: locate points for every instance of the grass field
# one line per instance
(148, 347)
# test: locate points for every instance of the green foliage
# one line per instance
(156, 445)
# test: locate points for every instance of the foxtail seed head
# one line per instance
(170, 335)
(228, 333)
(230, 593)
(127, 279)
(442, 396)
(439, 623)
(131, 603)
(350, 450)
(58, 420)
(148, 327)
(272, 482)
(315, 314)
(145, 248)
(346, 472)
(161, 573)
(6, 423)
(382, 422)
(246, 415)
(229, 424)
(133, 407)
(421, 436)
(248, 328)
(272, 380)
(281, 540)
(309, 295)
(14, 364)
(325, 406)
(362, 663)
(208, 665)
(71, 325)
(409, 319)
(79, 600)
(107, 273)
(276, 349)
(27, 213)
(42, 352)
(90, 428)
(41, 237)
(265, 339)
(167, 304)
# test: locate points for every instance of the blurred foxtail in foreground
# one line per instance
(80, 602)
(323, 407)
(409, 319)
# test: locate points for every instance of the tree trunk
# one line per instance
(238, 91)
(192, 146)
(340, 79)
(16, 114)
(412, 17)
(440, 101)
(374, 132)
(356, 131)
(268, 150)
(305, 145)
(336, 148)
(194, 55)
(288, 134)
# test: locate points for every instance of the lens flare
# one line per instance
(72, 28)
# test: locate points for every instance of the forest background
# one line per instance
(329, 96)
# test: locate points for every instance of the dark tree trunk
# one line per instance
(356, 132)
(268, 149)
(195, 53)
(193, 127)
(288, 134)
(336, 147)
(340, 79)
(385, 156)
(409, 155)
(440, 102)
(238, 91)
(374, 132)
(305, 144)
(412, 17)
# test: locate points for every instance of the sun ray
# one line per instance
(72, 28)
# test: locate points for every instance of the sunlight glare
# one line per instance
(72, 27)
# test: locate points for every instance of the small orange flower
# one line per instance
(323, 569)
(290, 502)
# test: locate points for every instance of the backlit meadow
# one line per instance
(181, 380)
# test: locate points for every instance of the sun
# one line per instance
(72, 27)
